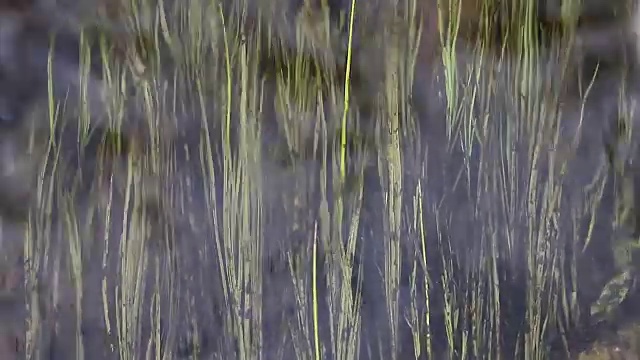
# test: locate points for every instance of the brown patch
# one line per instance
(11, 279)
(11, 338)
(470, 24)
(11, 345)
(16, 5)
(113, 10)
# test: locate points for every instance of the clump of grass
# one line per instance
(213, 58)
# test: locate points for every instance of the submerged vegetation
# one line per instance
(314, 188)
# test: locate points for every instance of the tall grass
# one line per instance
(192, 66)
